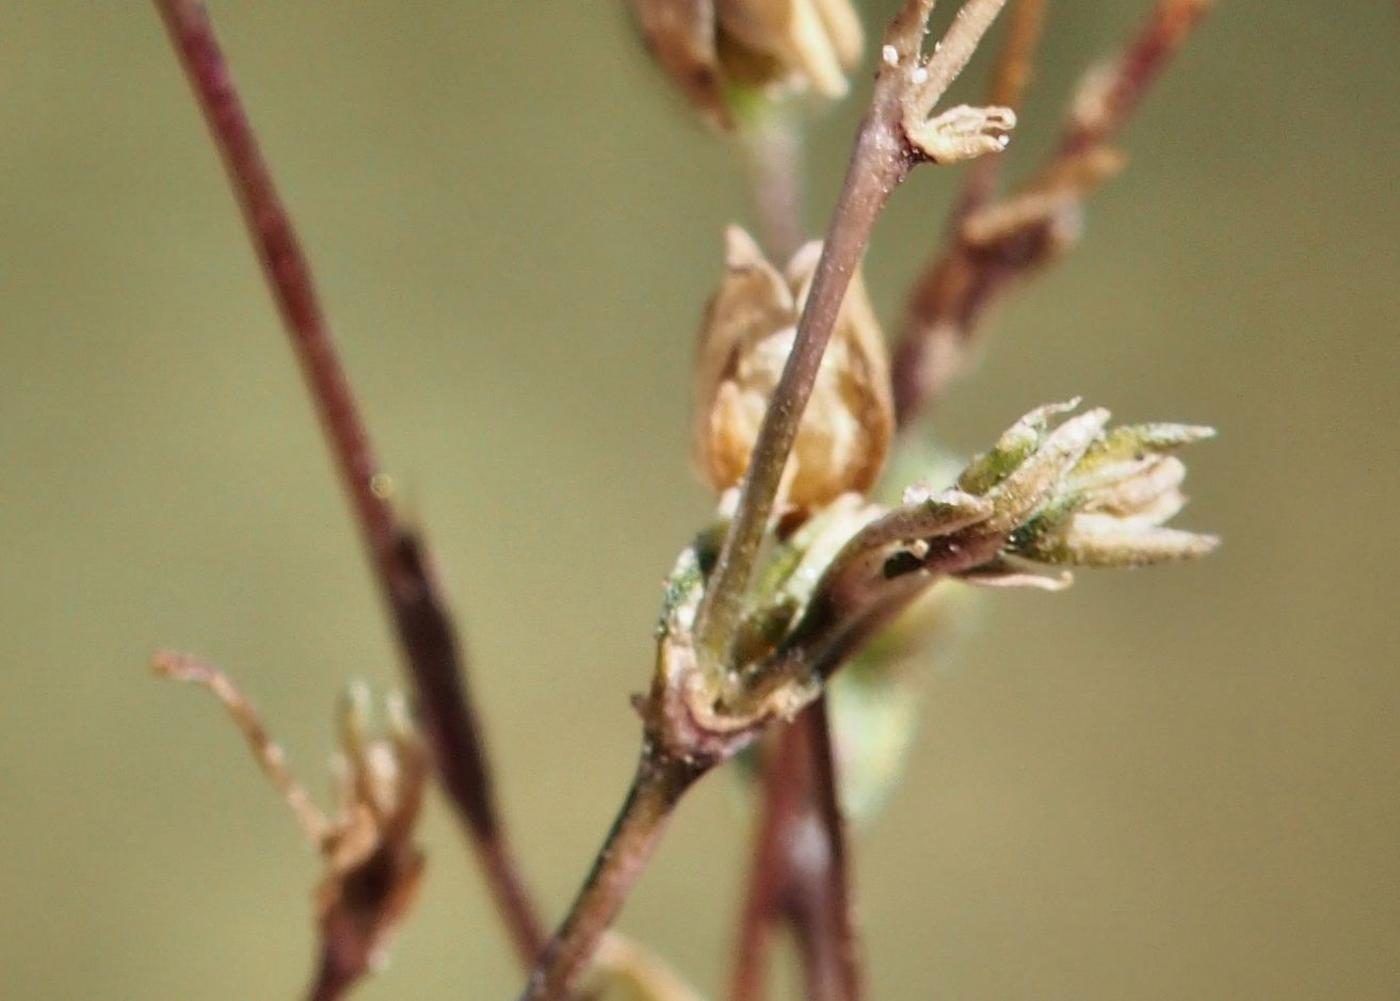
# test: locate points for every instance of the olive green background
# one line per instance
(1163, 785)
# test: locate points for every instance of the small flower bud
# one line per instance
(1082, 496)
(748, 332)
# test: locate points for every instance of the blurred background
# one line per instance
(1176, 784)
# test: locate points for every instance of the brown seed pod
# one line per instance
(745, 340)
(784, 45)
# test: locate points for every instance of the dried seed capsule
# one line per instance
(748, 332)
(708, 46)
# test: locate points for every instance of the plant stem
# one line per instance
(1133, 73)
(799, 869)
(797, 793)
(771, 146)
(399, 563)
(657, 787)
(879, 162)
(948, 303)
(830, 880)
(1010, 79)
(881, 158)
(331, 983)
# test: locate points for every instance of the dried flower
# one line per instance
(372, 865)
(748, 332)
(712, 47)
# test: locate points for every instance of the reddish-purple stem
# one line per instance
(397, 555)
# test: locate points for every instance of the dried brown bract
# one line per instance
(710, 47)
(748, 333)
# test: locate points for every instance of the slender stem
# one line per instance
(332, 982)
(767, 873)
(1010, 79)
(401, 568)
(949, 301)
(952, 54)
(799, 870)
(267, 752)
(771, 147)
(832, 878)
(1016, 61)
(878, 163)
(656, 789)
(1118, 94)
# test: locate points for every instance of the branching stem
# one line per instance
(400, 565)
(948, 303)
(880, 161)
(906, 90)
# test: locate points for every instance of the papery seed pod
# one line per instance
(712, 47)
(748, 332)
(804, 42)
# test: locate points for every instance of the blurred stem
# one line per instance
(1132, 74)
(400, 565)
(656, 789)
(799, 870)
(771, 145)
(331, 983)
(1010, 79)
(948, 303)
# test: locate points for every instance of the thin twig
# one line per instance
(799, 870)
(1110, 101)
(771, 147)
(657, 787)
(905, 90)
(266, 751)
(949, 301)
(401, 567)
(372, 865)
